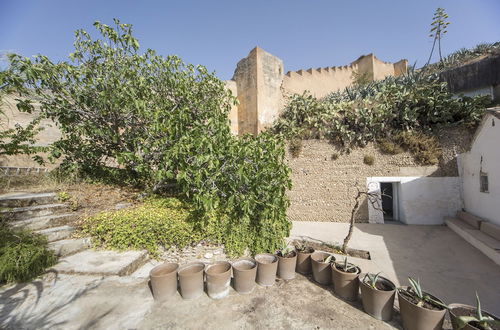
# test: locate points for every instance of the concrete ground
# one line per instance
(446, 265)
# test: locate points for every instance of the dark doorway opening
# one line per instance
(387, 200)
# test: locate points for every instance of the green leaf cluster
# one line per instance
(23, 255)
(162, 124)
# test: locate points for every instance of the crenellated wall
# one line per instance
(262, 87)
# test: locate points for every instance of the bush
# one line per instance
(369, 160)
(23, 255)
(295, 147)
(425, 149)
(388, 147)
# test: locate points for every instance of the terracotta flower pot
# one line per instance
(267, 265)
(244, 273)
(191, 280)
(164, 280)
(379, 302)
(304, 262)
(322, 272)
(345, 284)
(419, 318)
(286, 266)
(457, 310)
(218, 279)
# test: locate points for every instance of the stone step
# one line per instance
(56, 233)
(26, 199)
(23, 213)
(107, 263)
(70, 246)
(44, 222)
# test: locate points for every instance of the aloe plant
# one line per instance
(345, 266)
(371, 279)
(483, 321)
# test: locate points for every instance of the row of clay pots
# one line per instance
(245, 272)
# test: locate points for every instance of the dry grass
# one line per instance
(425, 148)
(369, 160)
(295, 147)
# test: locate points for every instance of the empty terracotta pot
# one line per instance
(267, 265)
(378, 302)
(304, 262)
(164, 280)
(346, 284)
(244, 273)
(191, 280)
(419, 318)
(457, 310)
(286, 266)
(218, 279)
(322, 272)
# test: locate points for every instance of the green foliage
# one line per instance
(345, 266)
(371, 279)
(369, 160)
(23, 255)
(439, 27)
(479, 320)
(381, 109)
(389, 147)
(63, 196)
(415, 291)
(165, 124)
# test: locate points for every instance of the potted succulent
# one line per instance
(287, 260)
(471, 318)
(304, 253)
(191, 280)
(345, 278)
(420, 310)
(320, 262)
(164, 280)
(244, 273)
(377, 295)
(267, 265)
(218, 279)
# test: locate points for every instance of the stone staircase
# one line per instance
(43, 214)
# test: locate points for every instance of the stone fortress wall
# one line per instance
(262, 86)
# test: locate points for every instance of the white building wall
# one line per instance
(421, 200)
(485, 147)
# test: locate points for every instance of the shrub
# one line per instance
(23, 255)
(425, 148)
(335, 156)
(387, 146)
(295, 147)
(369, 160)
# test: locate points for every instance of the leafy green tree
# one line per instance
(439, 27)
(164, 125)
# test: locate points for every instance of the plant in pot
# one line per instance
(287, 260)
(320, 263)
(377, 295)
(304, 253)
(470, 318)
(420, 310)
(267, 266)
(345, 278)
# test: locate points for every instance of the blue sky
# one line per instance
(218, 33)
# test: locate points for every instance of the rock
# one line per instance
(208, 255)
(120, 206)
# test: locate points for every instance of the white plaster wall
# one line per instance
(422, 200)
(486, 145)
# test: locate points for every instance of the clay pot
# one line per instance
(267, 265)
(191, 280)
(218, 279)
(457, 310)
(164, 280)
(244, 273)
(322, 272)
(419, 318)
(377, 302)
(346, 285)
(304, 262)
(286, 267)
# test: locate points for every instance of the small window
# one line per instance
(483, 182)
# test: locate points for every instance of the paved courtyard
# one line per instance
(446, 265)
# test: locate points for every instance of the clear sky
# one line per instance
(218, 33)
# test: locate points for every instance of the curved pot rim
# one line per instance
(339, 271)
(314, 250)
(195, 263)
(295, 256)
(361, 282)
(458, 305)
(162, 265)
(207, 268)
(252, 260)
(275, 258)
(425, 309)
(323, 252)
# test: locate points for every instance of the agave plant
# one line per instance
(345, 266)
(415, 290)
(329, 259)
(284, 249)
(483, 321)
(371, 279)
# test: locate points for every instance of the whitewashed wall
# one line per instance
(421, 200)
(486, 145)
